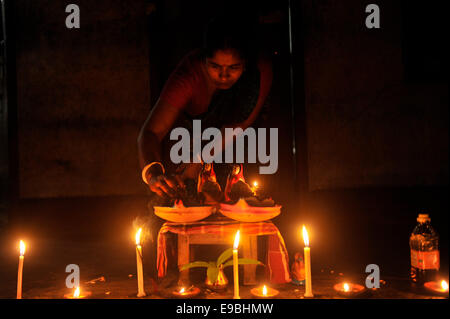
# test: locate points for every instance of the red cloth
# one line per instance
(188, 86)
(277, 256)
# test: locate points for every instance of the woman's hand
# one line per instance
(166, 186)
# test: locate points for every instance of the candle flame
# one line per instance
(346, 287)
(76, 293)
(236, 240)
(138, 236)
(444, 285)
(305, 236)
(22, 248)
(264, 290)
(181, 290)
(255, 183)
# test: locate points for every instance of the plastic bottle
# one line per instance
(424, 245)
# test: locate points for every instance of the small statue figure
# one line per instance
(207, 185)
(236, 186)
(298, 270)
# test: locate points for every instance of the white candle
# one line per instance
(141, 292)
(307, 252)
(20, 271)
(236, 266)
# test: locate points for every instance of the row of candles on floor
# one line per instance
(263, 292)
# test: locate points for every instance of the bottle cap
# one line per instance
(423, 218)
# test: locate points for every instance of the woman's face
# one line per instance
(224, 68)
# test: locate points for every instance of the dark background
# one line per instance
(367, 112)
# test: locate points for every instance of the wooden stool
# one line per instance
(249, 250)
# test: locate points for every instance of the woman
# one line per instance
(224, 84)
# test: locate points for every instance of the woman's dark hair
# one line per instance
(233, 33)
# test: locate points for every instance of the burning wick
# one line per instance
(76, 293)
(22, 248)
(444, 285)
(346, 287)
(437, 287)
(349, 290)
(20, 271)
(264, 292)
(255, 186)
(138, 237)
(184, 292)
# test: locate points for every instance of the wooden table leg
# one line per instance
(183, 258)
(250, 250)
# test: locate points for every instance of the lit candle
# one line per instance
(444, 285)
(255, 187)
(235, 266)
(77, 294)
(20, 271)
(307, 252)
(437, 287)
(349, 289)
(264, 292)
(346, 287)
(141, 292)
(186, 293)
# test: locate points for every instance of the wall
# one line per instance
(369, 123)
(82, 96)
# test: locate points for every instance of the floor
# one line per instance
(348, 230)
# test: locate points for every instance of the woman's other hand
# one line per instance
(166, 186)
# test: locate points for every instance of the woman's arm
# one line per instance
(160, 120)
(156, 126)
(265, 83)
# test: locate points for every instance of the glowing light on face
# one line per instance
(224, 68)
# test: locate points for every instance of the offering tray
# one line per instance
(243, 212)
(179, 213)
